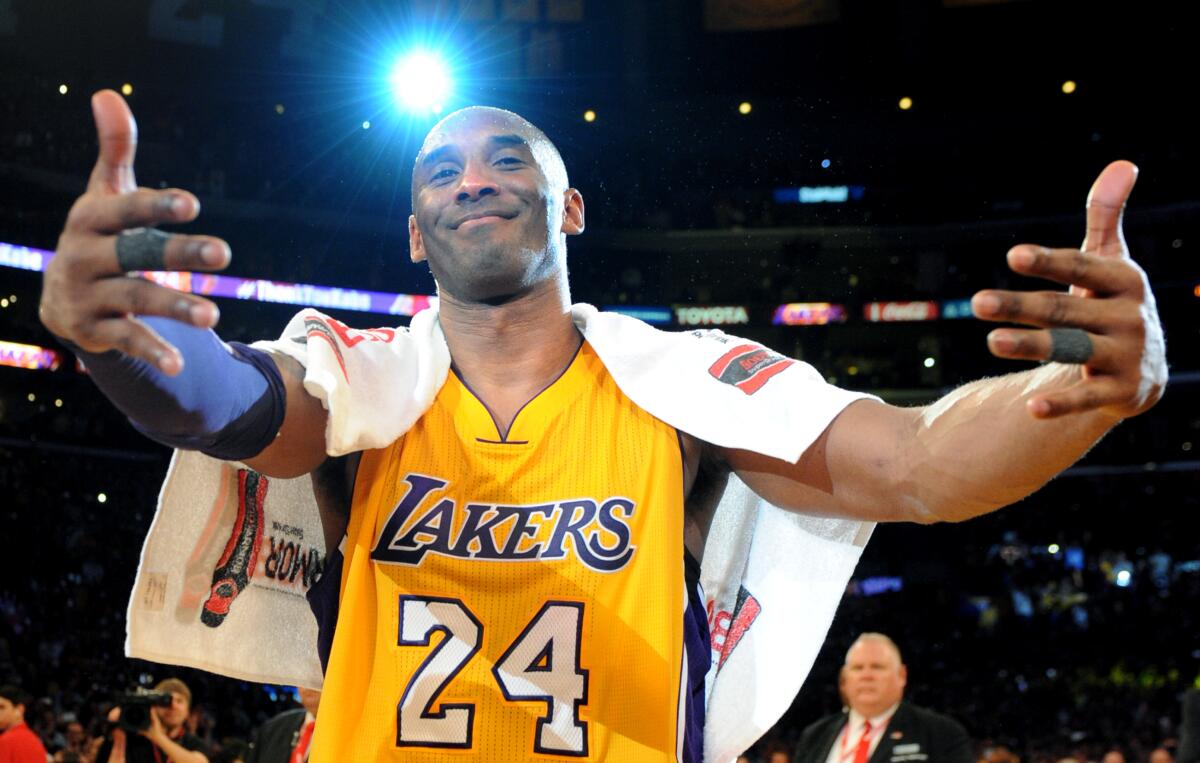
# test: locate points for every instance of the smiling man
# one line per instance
(879, 726)
(519, 555)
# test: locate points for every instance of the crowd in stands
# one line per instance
(1049, 651)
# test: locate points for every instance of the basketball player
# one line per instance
(540, 646)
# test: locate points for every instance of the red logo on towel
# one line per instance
(728, 628)
(237, 563)
(748, 367)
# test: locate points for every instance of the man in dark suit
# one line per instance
(1189, 729)
(287, 737)
(879, 726)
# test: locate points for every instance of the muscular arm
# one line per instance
(973, 451)
(134, 334)
(299, 448)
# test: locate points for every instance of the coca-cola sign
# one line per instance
(900, 311)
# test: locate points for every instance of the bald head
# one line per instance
(873, 677)
(876, 638)
(504, 123)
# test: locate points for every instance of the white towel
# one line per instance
(772, 578)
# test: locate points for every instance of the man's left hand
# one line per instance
(155, 731)
(1109, 299)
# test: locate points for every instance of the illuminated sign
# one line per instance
(900, 311)
(808, 314)
(23, 257)
(253, 289)
(28, 356)
(696, 315)
(819, 194)
(953, 309)
(657, 316)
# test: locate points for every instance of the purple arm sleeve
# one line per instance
(228, 402)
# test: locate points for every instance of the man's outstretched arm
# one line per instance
(994, 441)
(179, 383)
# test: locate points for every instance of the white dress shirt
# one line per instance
(846, 742)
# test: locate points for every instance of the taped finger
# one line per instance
(1070, 345)
(142, 249)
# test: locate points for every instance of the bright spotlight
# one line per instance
(1069, 87)
(421, 82)
(127, 89)
(745, 108)
(62, 89)
(906, 103)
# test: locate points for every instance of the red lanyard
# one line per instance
(842, 753)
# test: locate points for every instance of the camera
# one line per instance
(135, 708)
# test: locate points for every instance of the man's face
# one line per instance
(10, 715)
(488, 207)
(173, 717)
(874, 677)
(75, 734)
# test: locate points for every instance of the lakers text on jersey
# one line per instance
(517, 598)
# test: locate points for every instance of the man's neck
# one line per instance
(509, 353)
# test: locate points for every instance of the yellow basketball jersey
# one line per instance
(517, 599)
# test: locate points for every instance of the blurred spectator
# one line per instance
(1113, 756)
(880, 726)
(18, 744)
(1189, 729)
(1161, 755)
(165, 734)
(286, 737)
(999, 754)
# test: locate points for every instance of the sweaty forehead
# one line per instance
(477, 121)
(472, 126)
(872, 651)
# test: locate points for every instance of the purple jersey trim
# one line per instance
(699, 657)
(323, 601)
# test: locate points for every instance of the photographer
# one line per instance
(164, 738)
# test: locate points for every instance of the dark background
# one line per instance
(679, 189)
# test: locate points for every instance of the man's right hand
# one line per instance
(86, 298)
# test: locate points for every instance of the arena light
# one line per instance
(906, 103)
(127, 90)
(30, 357)
(421, 82)
(745, 108)
(1069, 87)
(589, 116)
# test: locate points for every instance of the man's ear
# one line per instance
(416, 244)
(572, 223)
